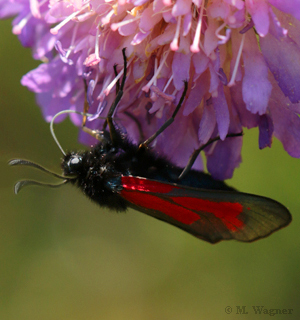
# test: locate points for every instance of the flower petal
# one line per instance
(221, 111)
(287, 129)
(226, 156)
(282, 57)
(256, 86)
(260, 15)
(291, 7)
(181, 69)
(266, 129)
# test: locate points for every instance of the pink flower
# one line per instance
(240, 58)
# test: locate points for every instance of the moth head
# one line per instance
(72, 164)
(70, 169)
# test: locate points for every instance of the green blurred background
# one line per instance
(62, 257)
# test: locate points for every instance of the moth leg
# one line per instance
(94, 133)
(168, 122)
(86, 104)
(118, 82)
(113, 132)
(108, 121)
(196, 153)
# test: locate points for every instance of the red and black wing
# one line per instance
(209, 215)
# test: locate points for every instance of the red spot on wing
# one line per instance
(156, 203)
(145, 185)
(226, 211)
(182, 209)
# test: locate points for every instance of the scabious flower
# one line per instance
(241, 60)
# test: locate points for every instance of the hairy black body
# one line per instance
(97, 172)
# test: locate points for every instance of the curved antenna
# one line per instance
(21, 162)
(23, 183)
(57, 115)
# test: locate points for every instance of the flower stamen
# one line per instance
(155, 70)
(112, 84)
(102, 95)
(71, 47)
(223, 39)
(34, 12)
(34, 8)
(174, 43)
(156, 73)
(97, 45)
(17, 29)
(238, 58)
(168, 83)
(68, 19)
(116, 26)
(105, 20)
(195, 45)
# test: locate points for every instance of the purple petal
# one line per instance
(51, 106)
(214, 80)
(210, 39)
(158, 5)
(266, 129)
(157, 104)
(180, 146)
(168, 17)
(187, 23)
(44, 45)
(139, 37)
(194, 99)
(256, 86)
(139, 2)
(9, 9)
(226, 156)
(282, 57)
(287, 128)
(128, 28)
(291, 7)
(148, 20)
(291, 26)
(246, 118)
(181, 7)
(259, 11)
(200, 62)
(218, 9)
(222, 113)
(181, 68)
(207, 124)
(58, 12)
(55, 76)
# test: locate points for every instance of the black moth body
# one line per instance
(98, 171)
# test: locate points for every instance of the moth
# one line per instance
(119, 174)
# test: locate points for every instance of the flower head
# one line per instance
(240, 58)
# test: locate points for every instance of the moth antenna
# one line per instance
(22, 162)
(57, 115)
(23, 183)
